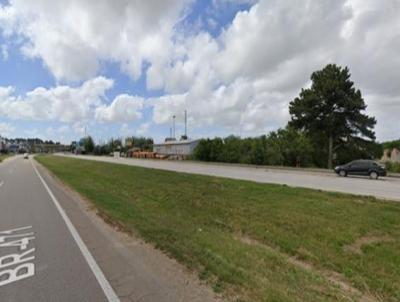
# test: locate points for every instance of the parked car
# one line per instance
(361, 167)
(26, 156)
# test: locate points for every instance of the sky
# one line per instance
(125, 67)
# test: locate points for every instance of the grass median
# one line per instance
(251, 241)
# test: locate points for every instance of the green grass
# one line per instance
(198, 220)
(4, 156)
(393, 167)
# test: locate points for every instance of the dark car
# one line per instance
(361, 167)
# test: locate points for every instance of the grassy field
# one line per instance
(250, 241)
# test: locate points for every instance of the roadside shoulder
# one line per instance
(134, 268)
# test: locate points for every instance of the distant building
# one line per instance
(49, 148)
(2, 144)
(391, 155)
(13, 148)
(181, 148)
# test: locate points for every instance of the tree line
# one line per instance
(284, 147)
(87, 145)
(328, 125)
(390, 145)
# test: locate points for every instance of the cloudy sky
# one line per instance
(124, 67)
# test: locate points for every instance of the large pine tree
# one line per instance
(332, 110)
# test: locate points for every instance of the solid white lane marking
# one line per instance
(101, 279)
(1, 183)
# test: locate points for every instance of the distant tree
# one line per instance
(215, 149)
(114, 144)
(296, 148)
(202, 151)
(257, 152)
(391, 144)
(88, 144)
(331, 111)
(231, 152)
(143, 143)
(73, 146)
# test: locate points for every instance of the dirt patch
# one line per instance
(116, 225)
(333, 277)
(250, 241)
(360, 201)
(356, 247)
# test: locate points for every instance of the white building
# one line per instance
(179, 148)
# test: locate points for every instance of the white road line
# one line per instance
(1, 183)
(108, 290)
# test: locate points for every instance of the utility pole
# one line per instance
(186, 123)
(173, 125)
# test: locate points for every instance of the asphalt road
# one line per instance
(386, 187)
(40, 259)
(55, 248)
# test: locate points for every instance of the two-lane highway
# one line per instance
(41, 255)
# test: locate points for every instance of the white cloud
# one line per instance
(126, 130)
(79, 128)
(241, 80)
(73, 37)
(244, 79)
(59, 134)
(75, 105)
(240, 106)
(6, 129)
(62, 103)
(61, 130)
(4, 52)
(124, 108)
(143, 129)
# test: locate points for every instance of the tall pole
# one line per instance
(174, 124)
(185, 123)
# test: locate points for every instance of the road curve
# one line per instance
(385, 188)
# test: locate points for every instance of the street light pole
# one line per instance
(174, 126)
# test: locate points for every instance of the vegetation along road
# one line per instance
(251, 241)
(387, 188)
(3, 157)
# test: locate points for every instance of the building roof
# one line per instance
(185, 142)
